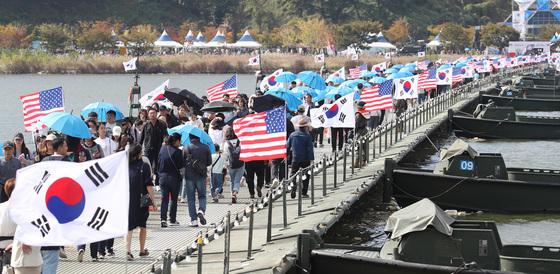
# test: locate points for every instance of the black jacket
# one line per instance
(152, 136)
(170, 161)
(199, 152)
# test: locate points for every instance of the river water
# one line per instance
(365, 224)
(80, 90)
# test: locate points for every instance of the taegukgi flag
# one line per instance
(254, 61)
(58, 203)
(406, 88)
(130, 65)
(444, 77)
(339, 114)
(319, 58)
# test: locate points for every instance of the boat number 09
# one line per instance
(467, 165)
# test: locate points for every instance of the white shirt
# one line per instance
(107, 145)
(198, 123)
(217, 136)
(8, 228)
(218, 165)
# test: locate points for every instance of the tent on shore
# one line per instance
(165, 41)
(246, 41)
(199, 41)
(434, 43)
(381, 45)
(218, 41)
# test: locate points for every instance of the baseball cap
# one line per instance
(117, 131)
(9, 144)
(301, 109)
(18, 136)
(51, 137)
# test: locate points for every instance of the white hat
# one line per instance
(117, 131)
(50, 137)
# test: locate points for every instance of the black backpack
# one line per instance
(234, 154)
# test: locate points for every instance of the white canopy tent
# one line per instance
(246, 41)
(434, 43)
(218, 41)
(382, 45)
(189, 38)
(199, 41)
(164, 41)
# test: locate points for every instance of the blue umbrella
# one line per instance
(66, 123)
(342, 90)
(335, 79)
(185, 130)
(321, 94)
(302, 90)
(444, 66)
(353, 83)
(397, 67)
(286, 77)
(367, 74)
(391, 70)
(402, 74)
(292, 102)
(312, 79)
(405, 69)
(101, 109)
(377, 80)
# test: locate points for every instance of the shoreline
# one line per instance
(189, 63)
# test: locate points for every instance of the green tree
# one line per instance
(497, 35)
(355, 32)
(314, 32)
(56, 37)
(13, 36)
(454, 37)
(548, 31)
(399, 31)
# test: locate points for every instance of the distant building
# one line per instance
(528, 16)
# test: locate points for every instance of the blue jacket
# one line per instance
(300, 146)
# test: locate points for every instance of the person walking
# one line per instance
(197, 160)
(360, 130)
(140, 198)
(235, 167)
(107, 144)
(169, 165)
(300, 153)
(151, 139)
(217, 174)
(24, 259)
(8, 167)
(255, 169)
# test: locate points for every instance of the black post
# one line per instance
(391, 133)
(250, 242)
(450, 120)
(324, 170)
(335, 169)
(299, 186)
(312, 179)
(269, 221)
(345, 151)
(373, 146)
(386, 131)
(379, 130)
(227, 240)
(353, 148)
(199, 243)
(387, 186)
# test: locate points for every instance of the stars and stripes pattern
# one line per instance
(262, 136)
(427, 80)
(457, 76)
(39, 104)
(378, 97)
(354, 73)
(229, 86)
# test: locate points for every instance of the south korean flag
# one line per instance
(58, 203)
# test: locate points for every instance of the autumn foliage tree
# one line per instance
(399, 31)
(454, 37)
(94, 35)
(141, 35)
(13, 36)
(497, 35)
(55, 36)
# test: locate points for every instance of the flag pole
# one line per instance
(260, 71)
(286, 130)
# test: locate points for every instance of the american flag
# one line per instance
(427, 80)
(378, 97)
(262, 135)
(457, 76)
(39, 104)
(355, 72)
(229, 86)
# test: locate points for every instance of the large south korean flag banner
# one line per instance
(59, 203)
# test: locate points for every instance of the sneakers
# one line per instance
(304, 196)
(101, 257)
(259, 192)
(293, 194)
(129, 256)
(201, 218)
(194, 223)
(95, 259)
(144, 253)
(81, 255)
(234, 198)
(252, 196)
(62, 254)
(174, 223)
(163, 224)
(110, 254)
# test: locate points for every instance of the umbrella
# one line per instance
(444, 66)
(286, 77)
(391, 70)
(266, 102)
(292, 102)
(66, 123)
(403, 74)
(178, 96)
(397, 67)
(342, 90)
(101, 109)
(367, 74)
(312, 79)
(353, 83)
(406, 69)
(335, 79)
(302, 90)
(377, 80)
(321, 94)
(218, 106)
(185, 130)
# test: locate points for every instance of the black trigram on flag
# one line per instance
(343, 101)
(321, 118)
(43, 225)
(96, 174)
(38, 187)
(342, 117)
(98, 219)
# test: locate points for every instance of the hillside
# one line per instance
(255, 14)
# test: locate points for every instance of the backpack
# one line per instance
(234, 154)
(195, 164)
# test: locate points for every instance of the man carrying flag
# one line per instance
(229, 87)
